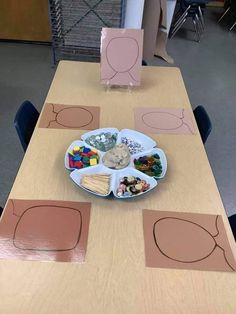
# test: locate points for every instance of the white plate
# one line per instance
(70, 148)
(132, 172)
(77, 174)
(148, 145)
(152, 152)
(98, 131)
(145, 141)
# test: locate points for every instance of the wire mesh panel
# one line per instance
(76, 26)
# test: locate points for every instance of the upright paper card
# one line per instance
(121, 56)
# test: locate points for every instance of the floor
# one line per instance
(208, 70)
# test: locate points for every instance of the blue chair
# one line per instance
(203, 122)
(232, 221)
(190, 9)
(25, 121)
(232, 9)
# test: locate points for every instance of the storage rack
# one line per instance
(76, 26)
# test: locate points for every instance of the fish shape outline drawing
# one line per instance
(59, 117)
(171, 117)
(165, 251)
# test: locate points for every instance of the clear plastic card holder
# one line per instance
(109, 87)
(130, 87)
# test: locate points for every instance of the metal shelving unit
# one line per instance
(76, 26)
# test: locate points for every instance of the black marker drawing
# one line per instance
(45, 230)
(128, 43)
(30, 235)
(190, 234)
(174, 121)
(72, 117)
(59, 116)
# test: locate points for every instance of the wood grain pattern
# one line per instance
(114, 278)
(24, 20)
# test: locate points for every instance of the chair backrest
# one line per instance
(233, 5)
(232, 221)
(203, 122)
(25, 121)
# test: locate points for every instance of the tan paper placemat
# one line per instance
(163, 120)
(44, 230)
(186, 241)
(56, 116)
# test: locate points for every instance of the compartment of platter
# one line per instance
(152, 163)
(132, 183)
(97, 180)
(80, 156)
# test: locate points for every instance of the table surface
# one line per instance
(114, 278)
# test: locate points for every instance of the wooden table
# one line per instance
(114, 278)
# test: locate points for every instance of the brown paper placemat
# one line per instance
(186, 241)
(56, 116)
(44, 230)
(163, 120)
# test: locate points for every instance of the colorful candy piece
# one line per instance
(150, 165)
(131, 185)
